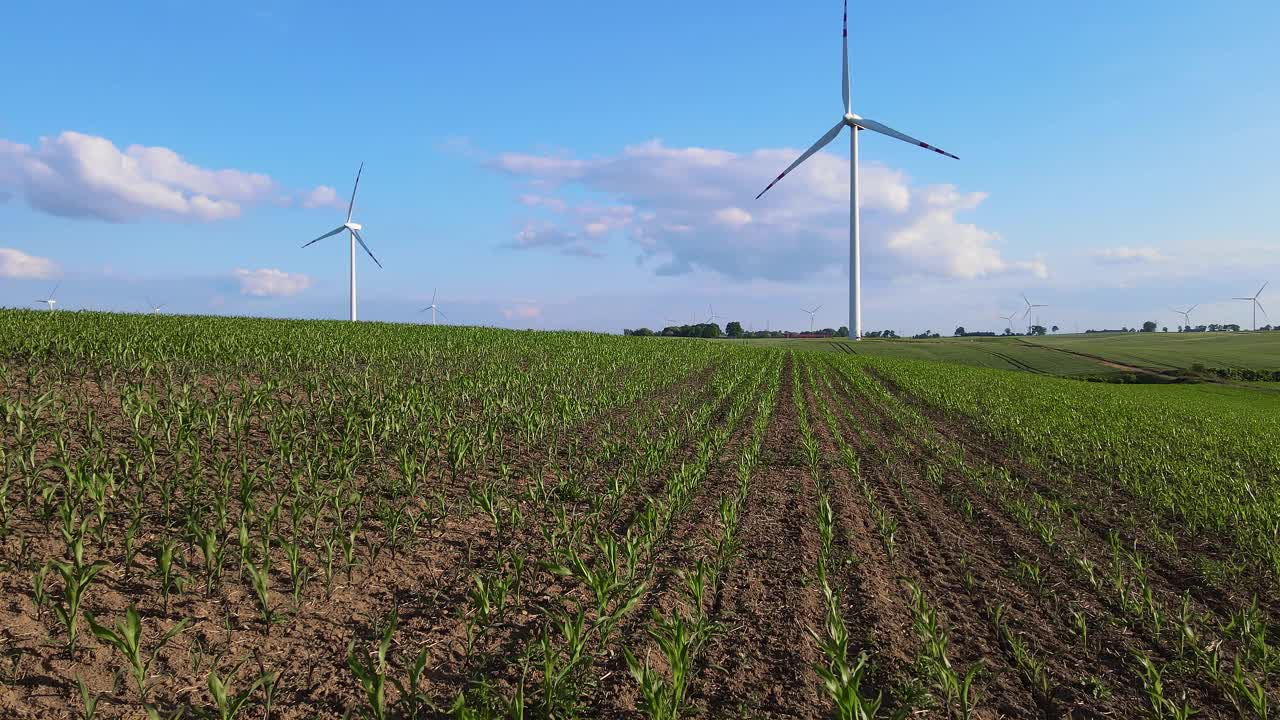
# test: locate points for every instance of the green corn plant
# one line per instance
(40, 590)
(260, 579)
(226, 704)
(126, 637)
(88, 701)
(372, 673)
(76, 578)
(170, 579)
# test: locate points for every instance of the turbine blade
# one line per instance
(351, 205)
(817, 308)
(446, 317)
(1264, 287)
(433, 295)
(1193, 307)
(366, 247)
(1264, 310)
(59, 284)
(844, 85)
(886, 130)
(822, 142)
(331, 233)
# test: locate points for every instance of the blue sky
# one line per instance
(589, 165)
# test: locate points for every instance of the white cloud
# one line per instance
(322, 196)
(1124, 255)
(19, 265)
(689, 209)
(267, 282)
(85, 176)
(522, 310)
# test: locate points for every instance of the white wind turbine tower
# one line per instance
(354, 229)
(855, 123)
(812, 313)
(1186, 314)
(434, 308)
(1008, 319)
(1257, 305)
(1030, 312)
(50, 301)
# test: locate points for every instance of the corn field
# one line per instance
(237, 518)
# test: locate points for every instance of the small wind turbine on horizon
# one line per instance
(153, 308)
(434, 308)
(1256, 304)
(1008, 319)
(50, 301)
(855, 123)
(1030, 312)
(812, 314)
(1186, 314)
(354, 229)
(712, 316)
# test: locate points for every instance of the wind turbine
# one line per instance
(1030, 311)
(354, 229)
(855, 123)
(812, 313)
(50, 302)
(712, 317)
(1009, 320)
(155, 309)
(1257, 305)
(1186, 314)
(434, 308)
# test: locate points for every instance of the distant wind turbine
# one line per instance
(354, 229)
(1186, 314)
(1256, 304)
(855, 123)
(155, 309)
(50, 302)
(812, 314)
(1009, 320)
(1030, 312)
(434, 308)
(712, 316)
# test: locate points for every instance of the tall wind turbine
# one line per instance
(433, 307)
(855, 123)
(1030, 311)
(812, 313)
(1008, 319)
(354, 229)
(711, 315)
(1186, 314)
(1257, 305)
(50, 302)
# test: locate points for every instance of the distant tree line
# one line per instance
(732, 330)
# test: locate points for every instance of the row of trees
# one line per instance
(732, 330)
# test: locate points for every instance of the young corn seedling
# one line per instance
(166, 570)
(76, 578)
(226, 704)
(126, 637)
(88, 701)
(260, 578)
(372, 672)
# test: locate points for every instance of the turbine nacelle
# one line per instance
(851, 120)
(353, 226)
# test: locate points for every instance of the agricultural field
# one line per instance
(235, 518)
(1101, 356)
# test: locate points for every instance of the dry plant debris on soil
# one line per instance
(243, 519)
